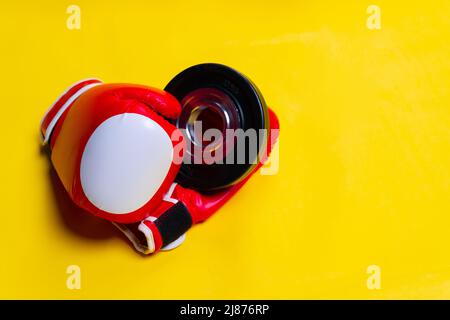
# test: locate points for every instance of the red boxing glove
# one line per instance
(111, 147)
(117, 152)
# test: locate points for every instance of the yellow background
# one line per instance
(364, 150)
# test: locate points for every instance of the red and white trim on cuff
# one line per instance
(62, 103)
(168, 196)
(145, 229)
(152, 243)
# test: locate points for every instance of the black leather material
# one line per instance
(173, 223)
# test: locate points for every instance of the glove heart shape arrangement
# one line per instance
(128, 153)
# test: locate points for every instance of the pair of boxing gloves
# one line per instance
(118, 150)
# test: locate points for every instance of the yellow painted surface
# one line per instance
(364, 150)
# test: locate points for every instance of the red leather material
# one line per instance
(160, 101)
(90, 110)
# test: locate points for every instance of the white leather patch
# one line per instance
(124, 163)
